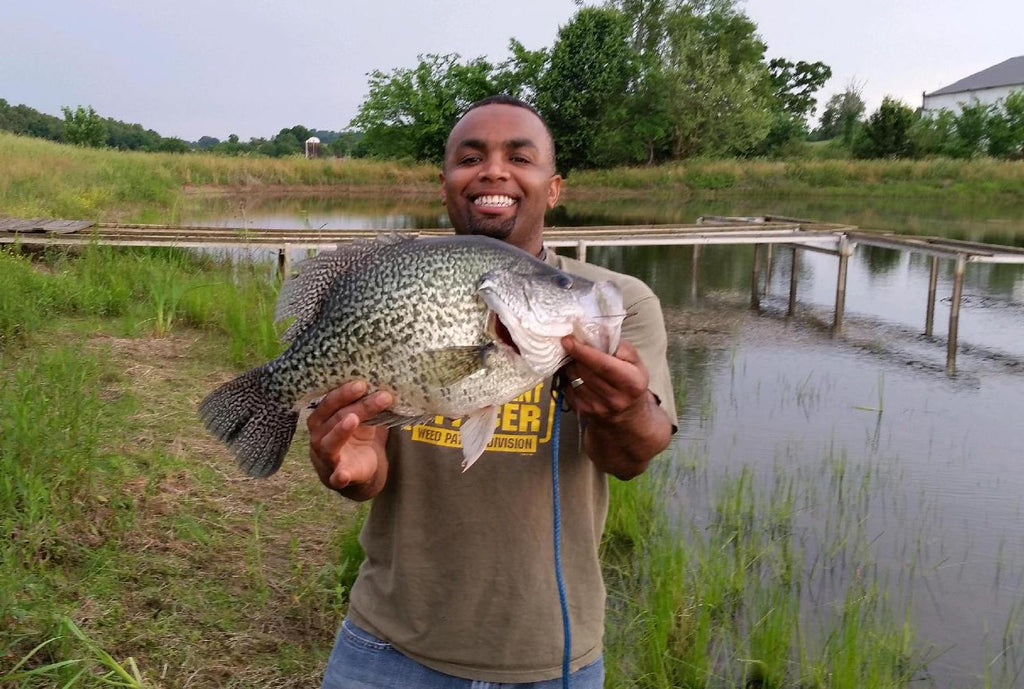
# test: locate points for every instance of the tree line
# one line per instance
(630, 82)
(83, 126)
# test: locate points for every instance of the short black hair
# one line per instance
(505, 99)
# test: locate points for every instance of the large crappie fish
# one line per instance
(451, 326)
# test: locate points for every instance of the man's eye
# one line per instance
(469, 160)
(520, 159)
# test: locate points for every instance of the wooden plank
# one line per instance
(43, 225)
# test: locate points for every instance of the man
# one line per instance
(458, 586)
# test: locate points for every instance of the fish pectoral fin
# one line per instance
(452, 364)
(477, 429)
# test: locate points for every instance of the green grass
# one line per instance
(134, 553)
(717, 597)
(43, 178)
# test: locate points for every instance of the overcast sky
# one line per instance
(190, 68)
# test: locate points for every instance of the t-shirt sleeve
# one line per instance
(644, 328)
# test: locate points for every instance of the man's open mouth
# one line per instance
(494, 201)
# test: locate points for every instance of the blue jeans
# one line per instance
(362, 661)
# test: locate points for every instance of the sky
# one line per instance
(190, 68)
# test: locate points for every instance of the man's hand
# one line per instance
(623, 425)
(348, 454)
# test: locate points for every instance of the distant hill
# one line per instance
(27, 121)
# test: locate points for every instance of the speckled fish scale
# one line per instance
(410, 316)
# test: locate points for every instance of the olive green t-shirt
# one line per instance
(459, 570)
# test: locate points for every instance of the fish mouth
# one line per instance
(500, 331)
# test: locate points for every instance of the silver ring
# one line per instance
(576, 382)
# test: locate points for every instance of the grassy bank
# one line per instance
(41, 178)
(138, 555)
(134, 551)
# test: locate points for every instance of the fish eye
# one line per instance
(563, 281)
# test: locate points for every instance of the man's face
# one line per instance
(499, 175)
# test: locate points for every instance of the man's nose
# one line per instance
(494, 168)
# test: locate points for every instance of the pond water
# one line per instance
(943, 521)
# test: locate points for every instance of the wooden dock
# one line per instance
(762, 232)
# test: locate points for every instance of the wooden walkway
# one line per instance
(762, 232)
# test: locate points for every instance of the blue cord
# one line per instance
(562, 600)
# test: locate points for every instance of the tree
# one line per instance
(582, 93)
(793, 88)
(971, 128)
(794, 85)
(1006, 127)
(887, 132)
(83, 127)
(701, 87)
(842, 115)
(409, 112)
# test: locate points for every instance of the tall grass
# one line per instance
(127, 558)
(720, 598)
(979, 177)
(43, 178)
(148, 290)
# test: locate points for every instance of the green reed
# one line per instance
(717, 596)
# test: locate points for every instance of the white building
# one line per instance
(987, 86)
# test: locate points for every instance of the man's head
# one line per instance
(499, 172)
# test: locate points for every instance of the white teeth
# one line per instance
(494, 200)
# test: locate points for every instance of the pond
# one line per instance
(937, 456)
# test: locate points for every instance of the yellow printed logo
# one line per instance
(521, 426)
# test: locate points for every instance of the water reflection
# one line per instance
(772, 394)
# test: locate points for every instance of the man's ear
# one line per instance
(554, 190)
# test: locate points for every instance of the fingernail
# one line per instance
(358, 387)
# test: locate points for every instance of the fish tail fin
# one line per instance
(255, 426)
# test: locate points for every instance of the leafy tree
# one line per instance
(842, 115)
(409, 112)
(1006, 127)
(701, 87)
(887, 132)
(21, 119)
(84, 127)
(934, 134)
(205, 143)
(582, 92)
(793, 87)
(971, 128)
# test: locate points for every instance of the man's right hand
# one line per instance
(348, 454)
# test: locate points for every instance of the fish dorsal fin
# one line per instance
(476, 430)
(304, 294)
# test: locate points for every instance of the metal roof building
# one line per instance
(987, 86)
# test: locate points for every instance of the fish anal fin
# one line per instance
(477, 429)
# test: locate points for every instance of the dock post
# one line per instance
(794, 272)
(755, 288)
(581, 250)
(933, 282)
(845, 250)
(768, 270)
(695, 271)
(283, 267)
(954, 312)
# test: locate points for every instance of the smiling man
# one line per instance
(457, 588)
